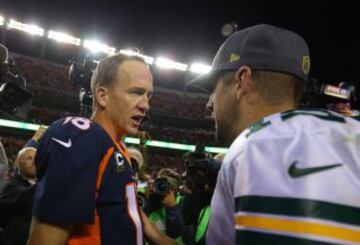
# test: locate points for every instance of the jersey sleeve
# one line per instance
(67, 163)
(221, 223)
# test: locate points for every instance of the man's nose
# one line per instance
(210, 103)
(145, 104)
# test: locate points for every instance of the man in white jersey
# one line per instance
(290, 176)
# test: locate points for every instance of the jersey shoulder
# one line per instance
(300, 120)
(75, 134)
(76, 129)
(74, 126)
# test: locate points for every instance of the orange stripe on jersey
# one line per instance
(90, 234)
(102, 167)
(86, 234)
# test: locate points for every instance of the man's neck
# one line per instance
(269, 110)
(106, 124)
(257, 113)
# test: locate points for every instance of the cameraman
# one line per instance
(163, 204)
(340, 98)
(200, 181)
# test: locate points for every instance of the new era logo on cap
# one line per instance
(234, 57)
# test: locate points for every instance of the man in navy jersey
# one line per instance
(86, 192)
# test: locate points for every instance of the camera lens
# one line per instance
(141, 200)
(161, 186)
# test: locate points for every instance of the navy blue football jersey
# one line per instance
(84, 178)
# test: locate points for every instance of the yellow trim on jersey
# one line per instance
(298, 227)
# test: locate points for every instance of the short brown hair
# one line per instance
(278, 87)
(274, 87)
(106, 70)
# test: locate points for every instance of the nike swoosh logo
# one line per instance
(296, 172)
(66, 144)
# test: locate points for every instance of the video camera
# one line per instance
(328, 96)
(201, 170)
(80, 73)
(161, 186)
(15, 99)
(168, 179)
(201, 160)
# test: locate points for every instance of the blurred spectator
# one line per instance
(180, 135)
(12, 145)
(3, 165)
(44, 73)
(16, 198)
(137, 161)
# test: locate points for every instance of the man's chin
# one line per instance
(132, 131)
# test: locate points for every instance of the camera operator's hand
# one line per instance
(153, 234)
(169, 199)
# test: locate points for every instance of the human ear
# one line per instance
(101, 96)
(242, 81)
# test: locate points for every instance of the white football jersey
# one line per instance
(293, 178)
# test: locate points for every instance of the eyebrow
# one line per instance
(140, 89)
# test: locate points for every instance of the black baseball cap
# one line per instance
(261, 47)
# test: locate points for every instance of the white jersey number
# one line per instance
(79, 122)
(133, 211)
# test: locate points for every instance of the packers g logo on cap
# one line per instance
(305, 64)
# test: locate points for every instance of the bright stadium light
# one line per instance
(200, 68)
(171, 145)
(63, 38)
(2, 20)
(20, 125)
(169, 64)
(129, 52)
(95, 46)
(28, 28)
(215, 149)
(128, 140)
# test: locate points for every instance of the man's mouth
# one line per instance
(136, 120)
